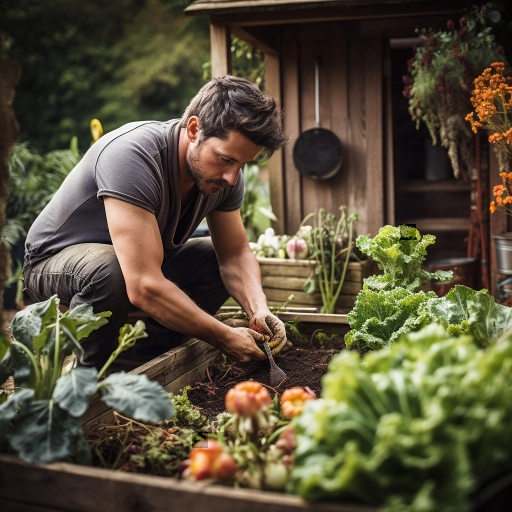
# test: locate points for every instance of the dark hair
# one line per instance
(232, 103)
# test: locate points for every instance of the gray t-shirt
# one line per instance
(137, 163)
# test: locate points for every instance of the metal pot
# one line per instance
(318, 152)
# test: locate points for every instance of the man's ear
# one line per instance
(193, 128)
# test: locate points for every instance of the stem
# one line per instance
(277, 433)
(33, 362)
(345, 266)
(57, 368)
(111, 359)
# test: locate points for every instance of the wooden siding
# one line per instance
(350, 106)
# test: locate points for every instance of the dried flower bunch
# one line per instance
(492, 101)
(440, 79)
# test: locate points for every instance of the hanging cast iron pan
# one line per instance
(317, 152)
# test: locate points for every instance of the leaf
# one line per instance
(137, 397)
(86, 321)
(268, 213)
(488, 319)
(30, 321)
(19, 365)
(44, 433)
(5, 344)
(74, 390)
(10, 407)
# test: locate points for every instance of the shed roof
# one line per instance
(211, 7)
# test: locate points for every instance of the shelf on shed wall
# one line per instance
(441, 224)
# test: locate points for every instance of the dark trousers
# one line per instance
(90, 274)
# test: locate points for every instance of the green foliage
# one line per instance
(387, 306)
(33, 179)
(466, 311)
(330, 244)
(41, 421)
(381, 317)
(256, 211)
(399, 253)
(441, 75)
(422, 424)
(119, 61)
(186, 414)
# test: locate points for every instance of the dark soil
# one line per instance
(303, 367)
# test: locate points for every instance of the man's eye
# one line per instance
(227, 160)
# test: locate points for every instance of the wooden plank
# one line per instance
(294, 284)
(275, 164)
(74, 488)
(188, 378)
(220, 49)
(355, 271)
(388, 135)
(374, 135)
(303, 298)
(355, 154)
(163, 369)
(281, 15)
(292, 128)
(16, 506)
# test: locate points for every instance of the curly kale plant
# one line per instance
(388, 306)
(40, 422)
(419, 425)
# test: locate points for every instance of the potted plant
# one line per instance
(439, 79)
(492, 102)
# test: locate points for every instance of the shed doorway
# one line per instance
(422, 189)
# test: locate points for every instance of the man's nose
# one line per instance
(231, 175)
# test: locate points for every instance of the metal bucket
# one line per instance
(504, 253)
(464, 272)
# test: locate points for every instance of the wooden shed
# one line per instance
(390, 172)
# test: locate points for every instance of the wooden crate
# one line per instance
(281, 277)
(73, 488)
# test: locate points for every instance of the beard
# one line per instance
(198, 174)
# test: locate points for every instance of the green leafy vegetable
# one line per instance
(399, 252)
(388, 305)
(380, 317)
(419, 425)
(136, 396)
(463, 310)
(41, 422)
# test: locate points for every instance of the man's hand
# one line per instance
(242, 344)
(269, 325)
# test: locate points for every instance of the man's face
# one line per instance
(214, 163)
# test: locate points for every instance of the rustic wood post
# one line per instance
(9, 75)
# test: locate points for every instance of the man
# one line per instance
(116, 234)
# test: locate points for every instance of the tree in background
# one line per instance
(119, 61)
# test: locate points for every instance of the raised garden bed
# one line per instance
(281, 277)
(70, 487)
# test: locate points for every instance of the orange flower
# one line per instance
(492, 207)
(498, 190)
(247, 398)
(209, 460)
(294, 399)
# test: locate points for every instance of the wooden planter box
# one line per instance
(69, 487)
(281, 277)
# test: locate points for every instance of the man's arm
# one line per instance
(239, 268)
(138, 246)
(241, 275)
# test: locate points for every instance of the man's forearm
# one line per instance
(242, 278)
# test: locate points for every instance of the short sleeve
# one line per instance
(234, 198)
(131, 171)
